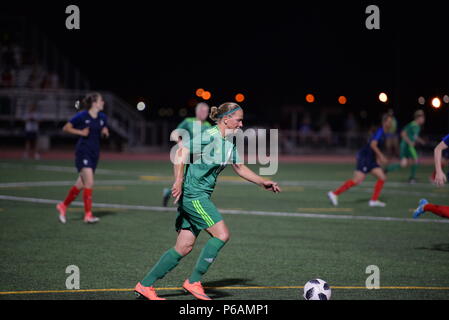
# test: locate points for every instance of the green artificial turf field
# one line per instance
(274, 248)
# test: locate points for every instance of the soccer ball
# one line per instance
(317, 289)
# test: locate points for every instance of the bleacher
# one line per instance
(28, 76)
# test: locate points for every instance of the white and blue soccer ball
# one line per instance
(317, 289)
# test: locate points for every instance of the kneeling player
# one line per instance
(440, 180)
(367, 162)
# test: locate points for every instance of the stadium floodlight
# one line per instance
(199, 92)
(206, 95)
(446, 98)
(383, 97)
(310, 98)
(436, 102)
(421, 100)
(239, 97)
(342, 100)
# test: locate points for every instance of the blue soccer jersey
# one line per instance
(366, 158)
(446, 140)
(378, 136)
(88, 148)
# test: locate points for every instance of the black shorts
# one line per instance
(85, 160)
(31, 135)
(366, 163)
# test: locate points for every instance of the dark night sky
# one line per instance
(275, 53)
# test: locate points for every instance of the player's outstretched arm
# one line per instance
(181, 158)
(70, 129)
(249, 175)
(440, 177)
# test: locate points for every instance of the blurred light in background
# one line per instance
(342, 100)
(310, 98)
(446, 98)
(206, 95)
(383, 97)
(239, 97)
(199, 92)
(436, 102)
(421, 100)
(141, 106)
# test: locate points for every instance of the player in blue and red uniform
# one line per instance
(368, 160)
(440, 179)
(90, 125)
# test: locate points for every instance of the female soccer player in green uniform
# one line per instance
(408, 153)
(201, 114)
(193, 187)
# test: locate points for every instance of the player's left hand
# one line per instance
(176, 191)
(271, 186)
(105, 132)
(440, 179)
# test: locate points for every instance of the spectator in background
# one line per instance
(305, 129)
(50, 81)
(31, 118)
(391, 137)
(35, 79)
(352, 129)
(325, 134)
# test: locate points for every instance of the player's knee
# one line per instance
(184, 249)
(89, 184)
(223, 236)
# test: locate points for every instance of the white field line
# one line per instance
(72, 169)
(234, 212)
(310, 184)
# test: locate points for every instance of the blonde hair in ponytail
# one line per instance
(216, 113)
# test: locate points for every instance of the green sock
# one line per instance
(166, 263)
(207, 256)
(393, 167)
(413, 171)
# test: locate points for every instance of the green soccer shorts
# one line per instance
(408, 152)
(196, 215)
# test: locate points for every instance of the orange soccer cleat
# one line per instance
(146, 292)
(196, 289)
(62, 208)
(90, 218)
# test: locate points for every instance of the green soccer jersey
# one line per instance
(210, 153)
(188, 123)
(412, 130)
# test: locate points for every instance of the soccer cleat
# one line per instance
(333, 198)
(90, 218)
(420, 210)
(165, 196)
(61, 207)
(377, 203)
(196, 289)
(146, 292)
